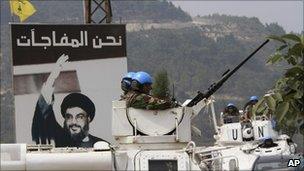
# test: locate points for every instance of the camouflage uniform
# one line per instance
(231, 115)
(248, 109)
(145, 101)
(231, 111)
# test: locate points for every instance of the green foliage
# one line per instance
(161, 85)
(286, 99)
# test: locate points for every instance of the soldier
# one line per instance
(126, 82)
(231, 113)
(139, 96)
(248, 107)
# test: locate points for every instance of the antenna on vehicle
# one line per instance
(173, 93)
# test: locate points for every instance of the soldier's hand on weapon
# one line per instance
(48, 87)
(175, 104)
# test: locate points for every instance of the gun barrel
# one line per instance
(214, 87)
(245, 60)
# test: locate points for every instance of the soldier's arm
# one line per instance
(158, 104)
(138, 102)
(151, 103)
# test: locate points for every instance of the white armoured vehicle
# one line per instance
(240, 144)
(151, 140)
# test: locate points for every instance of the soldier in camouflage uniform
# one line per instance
(139, 96)
(126, 83)
(248, 107)
(231, 114)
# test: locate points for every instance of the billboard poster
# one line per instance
(65, 79)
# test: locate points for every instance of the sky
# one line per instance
(288, 14)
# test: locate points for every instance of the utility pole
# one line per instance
(97, 11)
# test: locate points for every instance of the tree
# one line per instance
(285, 101)
(161, 85)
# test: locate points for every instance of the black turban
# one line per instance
(78, 100)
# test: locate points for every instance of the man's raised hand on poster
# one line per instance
(48, 87)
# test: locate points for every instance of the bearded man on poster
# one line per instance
(77, 109)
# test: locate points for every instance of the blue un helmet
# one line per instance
(254, 98)
(143, 78)
(230, 105)
(129, 75)
(231, 110)
(126, 81)
(139, 81)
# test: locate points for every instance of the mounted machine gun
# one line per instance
(215, 86)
